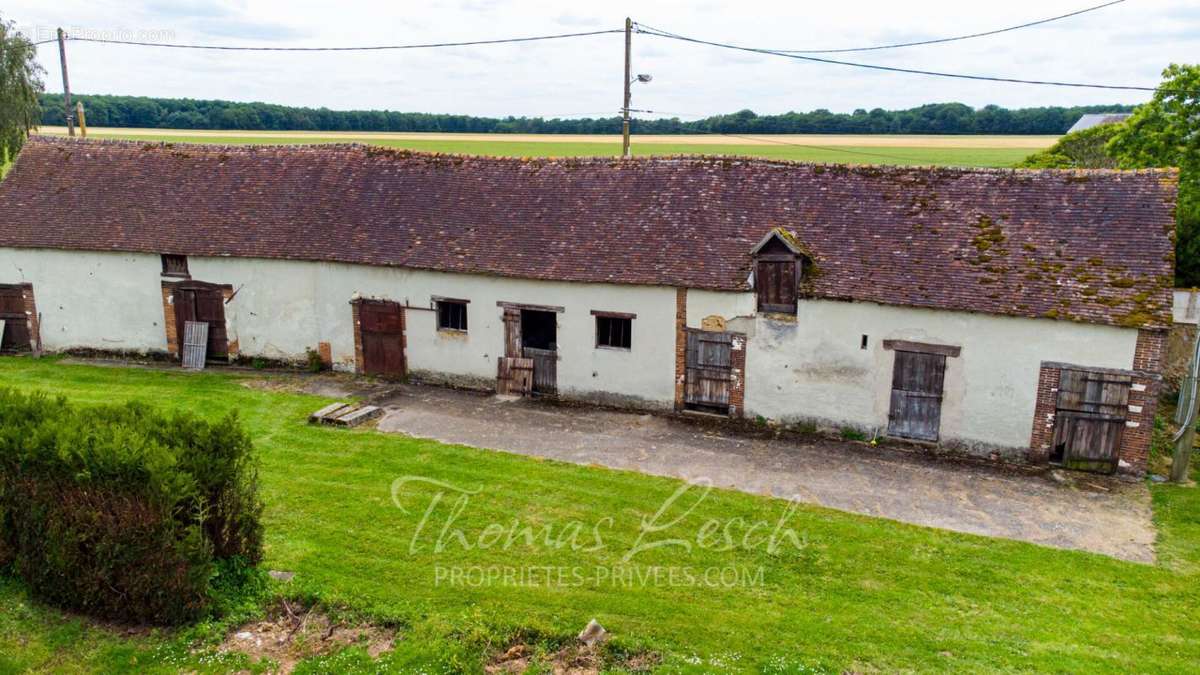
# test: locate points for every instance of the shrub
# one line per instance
(313, 361)
(123, 512)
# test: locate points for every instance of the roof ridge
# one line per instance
(380, 150)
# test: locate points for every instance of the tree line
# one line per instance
(935, 118)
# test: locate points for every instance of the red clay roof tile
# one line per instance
(1090, 246)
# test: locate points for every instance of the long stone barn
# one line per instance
(1006, 313)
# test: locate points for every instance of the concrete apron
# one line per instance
(1094, 514)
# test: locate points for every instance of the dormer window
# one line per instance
(778, 265)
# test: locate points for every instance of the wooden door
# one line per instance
(1089, 420)
(545, 370)
(382, 326)
(709, 370)
(15, 336)
(512, 333)
(198, 301)
(916, 406)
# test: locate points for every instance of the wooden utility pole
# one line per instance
(62, 57)
(1187, 439)
(625, 151)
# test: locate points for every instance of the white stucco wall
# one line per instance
(814, 368)
(811, 368)
(109, 301)
(114, 301)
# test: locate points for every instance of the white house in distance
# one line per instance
(997, 312)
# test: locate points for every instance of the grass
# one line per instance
(859, 593)
(973, 157)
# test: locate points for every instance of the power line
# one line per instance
(649, 30)
(956, 38)
(430, 45)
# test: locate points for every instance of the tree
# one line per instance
(1086, 149)
(20, 85)
(1166, 132)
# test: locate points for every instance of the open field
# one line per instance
(855, 593)
(983, 151)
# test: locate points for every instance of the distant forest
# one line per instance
(934, 118)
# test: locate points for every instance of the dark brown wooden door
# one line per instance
(916, 408)
(15, 336)
(198, 301)
(382, 326)
(709, 372)
(1089, 421)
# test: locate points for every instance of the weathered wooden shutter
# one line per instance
(512, 333)
(709, 370)
(1090, 419)
(775, 281)
(514, 376)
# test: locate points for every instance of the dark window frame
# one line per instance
(614, 330)
(175, 265)
(452, 315)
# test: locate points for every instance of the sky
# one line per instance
(1126, 44)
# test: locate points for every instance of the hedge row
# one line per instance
(123, 512)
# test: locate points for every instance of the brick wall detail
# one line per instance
(737, 390)
(358, 347)
(1144, 389)
(233, 346)
(1148, 358)
(1043, 414)
(169, 320)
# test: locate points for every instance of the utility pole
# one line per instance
(1186, 436)
(62, 57)
(625, 151)
(81, 118)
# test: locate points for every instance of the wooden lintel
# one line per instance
(614, 315)
(922, 347)
(535, 308)
(1105, 371)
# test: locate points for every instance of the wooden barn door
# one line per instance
(709, 371)
(916, 407)
(14, 337)
(1090, 419)
(198, 301)
(382, 326)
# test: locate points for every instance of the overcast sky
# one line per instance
(1126, 44)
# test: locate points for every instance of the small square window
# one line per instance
(174, 265)
(614, 332)
(452, 315)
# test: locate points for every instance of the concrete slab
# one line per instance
(1092, 513)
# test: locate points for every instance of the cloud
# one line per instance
(576, 21)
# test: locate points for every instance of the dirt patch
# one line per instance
(573, 659)
(291, 633)
(327, 385)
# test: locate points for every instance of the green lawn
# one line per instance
(859, 593)
(978, 157)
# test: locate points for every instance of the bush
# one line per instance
(120, 511)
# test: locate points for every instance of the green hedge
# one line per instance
(123, 512)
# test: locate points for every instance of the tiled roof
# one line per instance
(1090, 246)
